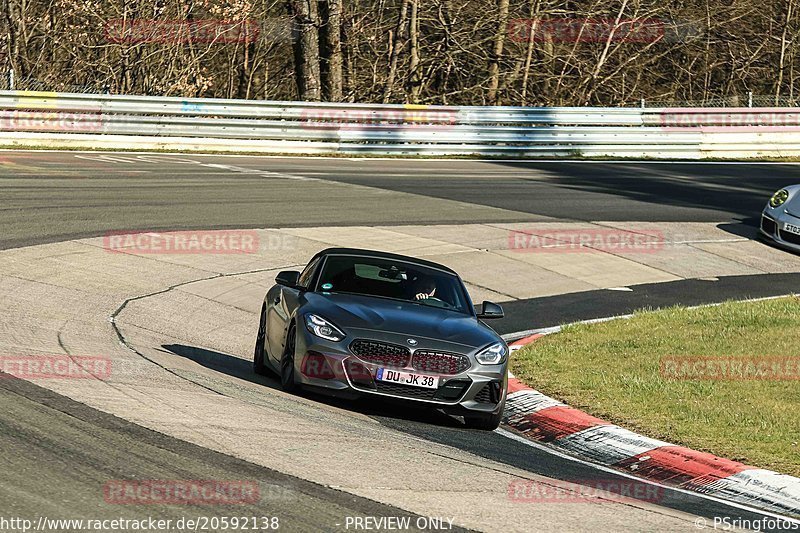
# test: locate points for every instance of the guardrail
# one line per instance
(65, 120)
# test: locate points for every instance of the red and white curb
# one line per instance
(541, 418)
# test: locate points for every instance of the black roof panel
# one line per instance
(387, 255)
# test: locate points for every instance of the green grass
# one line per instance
(612, 370)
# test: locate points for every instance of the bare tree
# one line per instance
(470, 52)
(331, 49)
(396, 44)
(497, 52)
(306, 48)
(414, 69)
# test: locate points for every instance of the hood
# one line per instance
(792, 206)
(349, 311)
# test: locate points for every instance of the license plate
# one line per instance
(407, 378)
(791, 228)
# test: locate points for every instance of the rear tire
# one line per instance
(258, 354)
(288, 383)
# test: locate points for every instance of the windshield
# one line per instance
(386, 278)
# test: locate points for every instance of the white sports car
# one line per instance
(780, 220)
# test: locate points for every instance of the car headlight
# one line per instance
(322, 328)
(779, 198)
(493, 355)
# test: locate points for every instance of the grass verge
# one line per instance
(614, 370)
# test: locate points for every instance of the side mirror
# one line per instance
(288, 278)
(491, 310)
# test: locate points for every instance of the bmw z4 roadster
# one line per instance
(360, 323)
(780, 220)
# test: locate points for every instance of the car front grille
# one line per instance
(389, 355)
(768, 225)
(789, 237)
(439, 362)
(381, 353)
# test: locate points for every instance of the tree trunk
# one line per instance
(784, 46)
(532, 28)
(244, 71)
(396, 45)
(492, 96)
(348, 62)
(415, 72)
(306, 48)
(331, 49)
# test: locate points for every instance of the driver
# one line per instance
(425, 288)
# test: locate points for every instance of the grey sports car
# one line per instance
(780, 220)
(361, 323)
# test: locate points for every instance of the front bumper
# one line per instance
(332, 368)
(772, 224)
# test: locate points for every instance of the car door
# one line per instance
(276, 322)
(283, 302)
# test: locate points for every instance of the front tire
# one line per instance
(288, 383)
(486, 422)
(258, 354)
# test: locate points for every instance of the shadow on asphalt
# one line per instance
(435, 426)
(598, 191)
(746, 228)
(224, 363)
(674, 185)
(372, 407)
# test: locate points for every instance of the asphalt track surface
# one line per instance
(73, 197)
(58, 454)
(55, 196)
(50, 197)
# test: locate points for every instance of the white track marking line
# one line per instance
(155, 159)
(107, 159)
